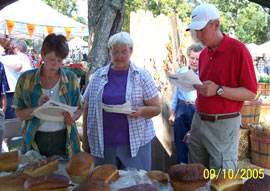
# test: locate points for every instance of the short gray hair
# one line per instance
(197, 47)
(120, 38)
(20, 44)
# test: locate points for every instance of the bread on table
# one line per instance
(186, 177)
(93, 186)
(9, 161)
(140, 187)
(227, 182)
(42, 168)
(258, 184)
(52, 182)
(157, 175)
(79, 167)
(106, 173)
(13, 182)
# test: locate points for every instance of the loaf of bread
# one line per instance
(42, 168)
(140, 187)
(93, 186)
(106, 173)
(52, 182)
(258, 184)
(9, 161)
(13, 182)
(157, 175)
(80, 167)
(227, 182)
(187, 177)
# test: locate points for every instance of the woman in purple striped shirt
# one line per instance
(120, 136)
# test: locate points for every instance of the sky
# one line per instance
(82, 8)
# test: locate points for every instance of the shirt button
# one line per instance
(211, 58)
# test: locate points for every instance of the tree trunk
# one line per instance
(105, 18)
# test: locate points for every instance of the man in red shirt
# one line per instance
(228, 77)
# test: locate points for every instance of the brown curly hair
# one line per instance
(6, 45)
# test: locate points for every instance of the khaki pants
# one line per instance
(2, 123)
(214, 144)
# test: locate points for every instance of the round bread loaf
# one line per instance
(257, 184)
(187, 177)
(9, 161)
(157, 175)
(79, 167)
(55, 182)
(13, 182)
(140, 187)
(93, 186)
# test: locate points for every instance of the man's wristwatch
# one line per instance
(219, 91)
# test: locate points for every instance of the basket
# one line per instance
(260, 148)
(264, 88)
(251, 112)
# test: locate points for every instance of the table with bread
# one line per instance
(79, 174)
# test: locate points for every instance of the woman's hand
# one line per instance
(43, 100)
(172, 118)
(137, 113)
(71, 119)
(68, 118)
(150, 109)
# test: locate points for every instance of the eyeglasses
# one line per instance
(123, 53)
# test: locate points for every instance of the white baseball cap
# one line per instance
(201, 15)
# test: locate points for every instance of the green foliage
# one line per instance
(66, 7)
(247, 20)
(131, 5)
(77, 70)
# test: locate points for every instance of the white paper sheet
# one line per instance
(52, 111)
(70, 109)
(185, 81)
(123, 108)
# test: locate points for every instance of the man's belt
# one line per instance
(214, 118)
(186, 102)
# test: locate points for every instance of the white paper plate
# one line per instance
(50, 113)
(123, 111)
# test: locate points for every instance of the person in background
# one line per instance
(227, 73)
(123, 139)
(35, 87)
(20, 49)
(3, 89)
(183, 106)
(260, 65)
(35, 58)
(13, 65)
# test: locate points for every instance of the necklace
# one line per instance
(50, 93)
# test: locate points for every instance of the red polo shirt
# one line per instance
(229, 65)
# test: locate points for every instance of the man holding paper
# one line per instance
(228, 77)
(183, 105)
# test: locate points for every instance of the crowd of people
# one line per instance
(16, 60)
(211, 113)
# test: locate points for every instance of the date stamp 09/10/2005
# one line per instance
(231, 174)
